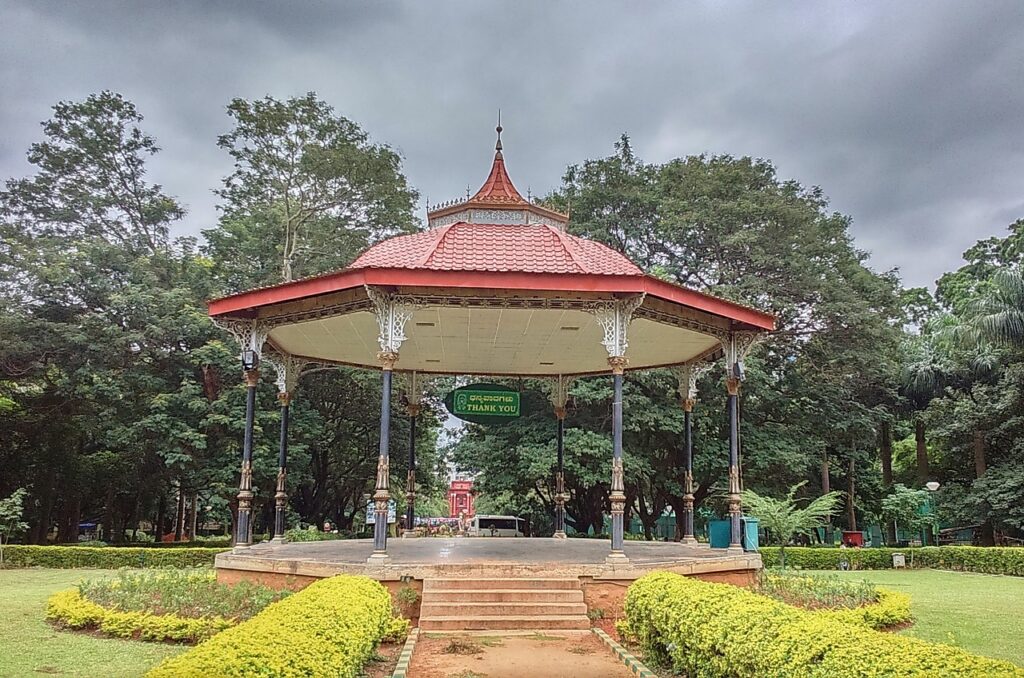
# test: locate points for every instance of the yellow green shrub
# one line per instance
(891, 609)
(70, 610)
(330, 628)
(721, 631)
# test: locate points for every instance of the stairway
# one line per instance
(507, 604)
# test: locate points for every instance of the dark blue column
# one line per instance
(243, 529)
(382, 495)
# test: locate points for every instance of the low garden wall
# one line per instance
(721, 631)
(984, 559)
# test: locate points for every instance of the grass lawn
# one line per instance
(31, 647)
(982, 613)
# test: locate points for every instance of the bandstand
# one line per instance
(495, 286)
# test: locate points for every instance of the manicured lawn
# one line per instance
(981, 613)
(31, 647)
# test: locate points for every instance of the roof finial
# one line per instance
(497, 146)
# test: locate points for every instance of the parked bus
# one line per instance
(496, 526)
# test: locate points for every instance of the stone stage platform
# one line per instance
(452, 557)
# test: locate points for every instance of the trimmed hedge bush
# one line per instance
(721, 631)
(891, 609)
(330, 628)
(70, 610)
(985, 559)
(64, 557)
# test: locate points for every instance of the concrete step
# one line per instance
(510, 595)
(500, 583)
(432, 610)
(505, 622)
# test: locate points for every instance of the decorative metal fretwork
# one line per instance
(288, 368)
(688, 375)
(559, 396)
(250, 334)
(614, 317)
(393, 312)
(736, 345)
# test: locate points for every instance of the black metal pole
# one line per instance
(243, 530)
(410, 489)
(281, 495)
(382, 496)
(688, 474)
(560, 477)
(618, 497)
(735, 536)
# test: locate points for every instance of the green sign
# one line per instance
(483, 403)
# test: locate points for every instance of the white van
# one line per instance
(496, 526)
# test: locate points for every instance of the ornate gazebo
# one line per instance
(495, 286)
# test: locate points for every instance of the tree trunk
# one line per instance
(161, 510)
(885, 453)
(851, 487)
(922, 452)
(179, 515)
(826, 487)
(988, 535)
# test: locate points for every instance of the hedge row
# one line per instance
(70, 610)
(65, 557)
(986, 559)
(330, 628)
(722, 631)
(891, 609)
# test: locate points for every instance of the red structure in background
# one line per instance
(460, 499)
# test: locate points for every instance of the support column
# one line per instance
(559, 401)
(560, 477)
(243, 530)
(732, 385)
(281, 494)
(688, 537)
(382, 494)
(410, 481)
(618, 487)
(392, 312)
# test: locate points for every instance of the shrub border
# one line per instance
(106, 557)
(68, 609)
(1006, 560)
(718, 630)
(891, 609)
(405, 658)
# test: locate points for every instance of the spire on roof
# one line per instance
(497, 146)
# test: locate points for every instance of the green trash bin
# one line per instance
(718, 534)
(750, 537)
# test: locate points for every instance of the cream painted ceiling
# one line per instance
(482, 341)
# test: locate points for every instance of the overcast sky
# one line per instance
(909, 115)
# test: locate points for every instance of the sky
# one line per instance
(909, 115)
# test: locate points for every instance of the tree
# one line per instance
(11, 524)
(783, 519)
(308, 192)
(909, 509)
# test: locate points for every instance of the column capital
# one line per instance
(413, 409)
(618, 363)
(688, 404)
(252, 377)
(284, 398)
(732, 385)
(387, 359)
(560, 413)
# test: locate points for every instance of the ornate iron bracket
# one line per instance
(615, 317)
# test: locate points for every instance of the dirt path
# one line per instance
(538, 655)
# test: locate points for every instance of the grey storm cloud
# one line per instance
(909, 115)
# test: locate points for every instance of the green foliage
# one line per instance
(783, 518)
(718, 630)
(909, 508)
(108, 558)
(11, 510)
(987, 560)
(814, 592)
(192, 593)
(331, 627)
(69, 609)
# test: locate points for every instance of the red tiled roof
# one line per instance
(533, 248)
(498, 188)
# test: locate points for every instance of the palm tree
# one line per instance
(998, 315)
(783, 519)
